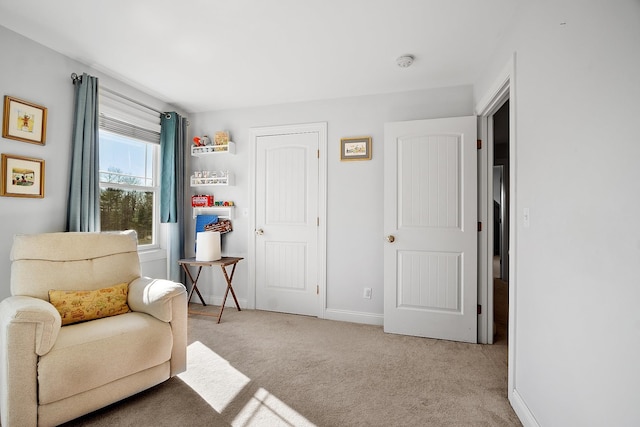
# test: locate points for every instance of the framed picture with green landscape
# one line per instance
(22, 177)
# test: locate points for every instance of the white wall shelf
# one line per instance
(212, 181)
(209, 150)
(221, 211)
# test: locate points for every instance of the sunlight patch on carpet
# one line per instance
(264, 409)
(219, 384)
(212, 377)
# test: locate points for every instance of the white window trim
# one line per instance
(120, 107)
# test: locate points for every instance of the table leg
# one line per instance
(194, 283)
(229, 288)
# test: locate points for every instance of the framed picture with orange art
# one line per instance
(24, 121)
(22, 177)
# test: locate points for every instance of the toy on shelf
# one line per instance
(222, 226)
(211, 178)
(221, 141)
(202, 201)
(213, 149)
(201, 141)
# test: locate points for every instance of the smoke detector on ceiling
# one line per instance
(405, 61)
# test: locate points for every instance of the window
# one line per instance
(128, 187)
(129, 167)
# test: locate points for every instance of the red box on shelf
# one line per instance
(202, 201)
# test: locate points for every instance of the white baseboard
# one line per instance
(330, 314)
(354, 317)
(522, 411)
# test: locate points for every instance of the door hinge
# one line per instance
(317, 289)
(479, 226)
(318, 221)
(479, 309)
(318, 153)
(479, 142)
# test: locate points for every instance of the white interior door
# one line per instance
(286, 241)
(430, 220)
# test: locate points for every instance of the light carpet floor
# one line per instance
(259, 368)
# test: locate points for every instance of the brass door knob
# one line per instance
(259, 232)
(391, 238)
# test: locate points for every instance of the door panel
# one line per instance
(430, 274)
(285, 266)
(286, 215)
(429, 281)
(429, 192)
(285, 189)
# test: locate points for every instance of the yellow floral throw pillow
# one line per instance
(78, 306)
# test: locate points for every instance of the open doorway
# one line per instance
(500, 95)
(501, 224)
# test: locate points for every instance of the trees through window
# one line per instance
(128, 185)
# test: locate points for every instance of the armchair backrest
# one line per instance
(71, 261)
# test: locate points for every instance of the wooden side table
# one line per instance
(223, 263)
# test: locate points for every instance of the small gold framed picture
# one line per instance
(24, 121)
(355, 148)
(22, 177)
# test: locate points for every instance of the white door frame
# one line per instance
(485, 211)
(503, 88)
(255, 133)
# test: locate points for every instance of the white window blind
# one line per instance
(126, 117)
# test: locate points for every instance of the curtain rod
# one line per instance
(133, 101)
(75, 78)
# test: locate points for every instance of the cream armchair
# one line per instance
(50, 374)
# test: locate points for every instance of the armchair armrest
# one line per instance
(166, 301)
(155, 296)
(29, 328)
(23, 309)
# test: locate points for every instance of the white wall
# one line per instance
(40, 75)
(354, 190)
(577, 268)
(577, 285)
(34, 73)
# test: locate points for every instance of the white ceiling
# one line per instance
(205, 55)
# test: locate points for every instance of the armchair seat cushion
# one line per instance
(89, 355)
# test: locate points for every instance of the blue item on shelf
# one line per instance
(201, 221)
